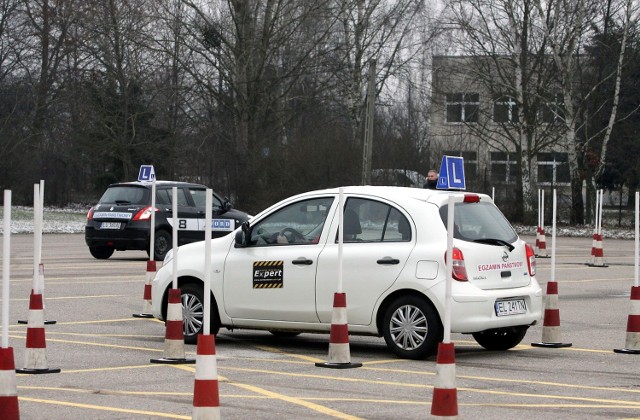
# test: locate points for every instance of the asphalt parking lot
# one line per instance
(104, 352)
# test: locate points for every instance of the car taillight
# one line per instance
(459, 270)
(144, 214)
(90, 214)
(531, 260)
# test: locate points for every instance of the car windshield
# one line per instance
(122, 194)
(480, 222)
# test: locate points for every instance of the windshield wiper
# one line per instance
(123, 202)
(492, 241)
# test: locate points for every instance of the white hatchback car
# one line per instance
(279, 271)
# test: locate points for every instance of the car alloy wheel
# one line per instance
(412, 328)
(192, 312)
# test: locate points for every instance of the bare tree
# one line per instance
(566, 25)
(509, 61)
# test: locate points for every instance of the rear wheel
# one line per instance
(193, 312)
(163, 244)
(412, 328)
(501, 338)
(101, 252)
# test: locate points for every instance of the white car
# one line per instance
(279, 271)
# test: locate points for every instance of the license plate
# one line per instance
(510, 307)
(110, 225)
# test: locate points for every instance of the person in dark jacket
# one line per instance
(432, 180)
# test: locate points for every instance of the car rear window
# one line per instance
(475, 221)
(125, 195)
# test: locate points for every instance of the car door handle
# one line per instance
(388, 261)
(302, 261)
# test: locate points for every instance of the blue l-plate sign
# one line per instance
(146, 174)
(451, 173)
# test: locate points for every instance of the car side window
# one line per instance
(165, 197)
(373, 221)
(199, 197)
(298, 223)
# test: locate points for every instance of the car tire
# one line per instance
(501, 339)
(192, 299)
(412, 328)
(163, 244)
(101, 252)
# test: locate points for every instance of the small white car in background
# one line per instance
(279, 271)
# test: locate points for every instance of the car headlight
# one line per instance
(168, 257)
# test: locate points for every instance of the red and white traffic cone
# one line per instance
(9, 409)
(537, 240)
(339, 354)
(632, 344)
(445, 394)
(597, 252)
(41, 279)
(206, 397)
(542, 248)
(146, 305)
(551, 324)
(35, 360)
(593, 246)
(174, 337)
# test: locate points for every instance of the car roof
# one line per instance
(400, 194)
(158, 184)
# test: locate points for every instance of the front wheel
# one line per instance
(192, 298)
(412, 328)
(501, 338)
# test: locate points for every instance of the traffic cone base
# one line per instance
(552, 345)
(37, 371)
(46, 322)
(169, 361)
(348, 365)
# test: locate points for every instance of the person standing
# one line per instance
(432, 180)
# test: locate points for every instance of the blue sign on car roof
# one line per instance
(451, 175)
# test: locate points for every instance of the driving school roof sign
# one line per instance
(451, 175)
(147, 173)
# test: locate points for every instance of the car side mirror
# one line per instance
(243, 235)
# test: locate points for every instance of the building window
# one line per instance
(505, 110)
(553, 109)
(470, 163)
(505, 167)
(553, 169)
(462, 107)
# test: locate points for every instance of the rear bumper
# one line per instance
(474, 314)
(122, 240)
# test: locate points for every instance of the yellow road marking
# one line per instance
(115, 346)
(104, 408)
(297, 401)
(73, 297)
